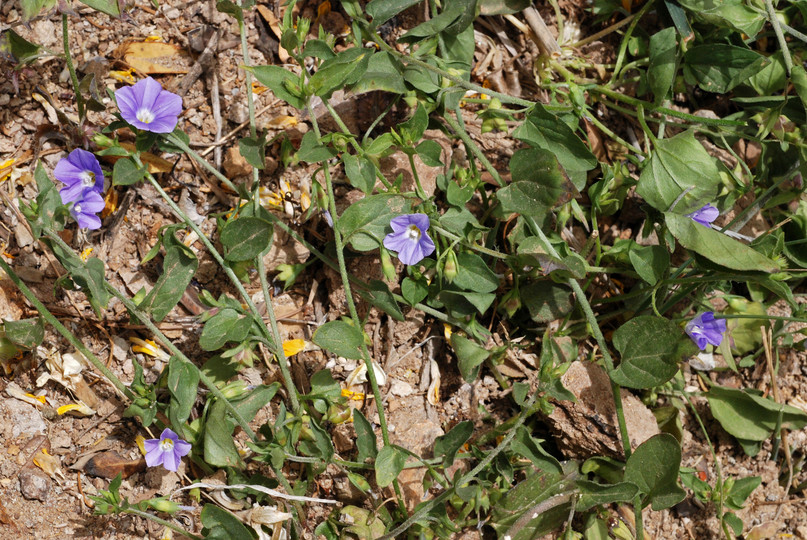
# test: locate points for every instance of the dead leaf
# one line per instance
(153, 58)
(52, 465)
(109, 464)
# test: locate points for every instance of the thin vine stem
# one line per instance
(160, 521)
(45, 313)
(71, 68)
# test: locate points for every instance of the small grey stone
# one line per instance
(173, 13)
(34, 484)
(23, 418)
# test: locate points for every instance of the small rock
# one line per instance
(23, 419)
(235, 165)
(173, 13)
(34, 484)
(400, 388)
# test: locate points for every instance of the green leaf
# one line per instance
(345, 68)
(430, 153)
(360, 172)
(649, 352)
(734, 14)
(244, 238)
(183, 382)
(25, 333)
(412, 129)
(515, 514)
(663, 56)
(653, 467)
(718, 67)
(312, 150)
(474, 275)
(126, 173)
(650, 262)
(179, 266)
(741, 490)
(281, 82)
(110, 7)
(388, 465)
(383, 10)
(226, 325)
(379, 295)
(543, 129)
(502, 7)
(413, 291)
(365, 437)
(31, 8)
(749, 416)
(318, 49)
(798, 76)
(366, 222)
(452, 11)
(593, 494)
(219, 447)
(221, 524)
(384, 72)
(340, 338)
(716, 246)
(539, 183)
(469, 356)
(529, 447)
(252, 149)
(230, 8)
(547, 301)
(449, 444)
(679, 165)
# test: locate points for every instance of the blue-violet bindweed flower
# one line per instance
(705, 329)
(409, 238)
(705, 216)
(166, 451)
(79, 171)
(147, 106)
(84, 209)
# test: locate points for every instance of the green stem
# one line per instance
(340, 256)
(245, 55)
(160, 521)
(279, 352)
(53, 321)
(459, 132)
(663, 110)
(418, 187)
(623, 46)
(73, 77)
(606, 355)
(504, 98)
(526, 411)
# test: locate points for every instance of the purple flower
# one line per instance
(147, 106)
(705, 216)
(166, 451)
(705, 329)
(84, 209)
(80, 170)
(409, 238)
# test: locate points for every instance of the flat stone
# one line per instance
(22, 418)
(34, 484)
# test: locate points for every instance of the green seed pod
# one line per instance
(387, 266)
(451, 267)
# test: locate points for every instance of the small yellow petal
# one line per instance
(293, 346)
(79, 408)
(86, 254)
(139, 441)
(40, 399)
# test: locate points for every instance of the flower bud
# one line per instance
(163, 505)
(102, 140)
(451, 266)
(234, 389)
(338, 414)
(511, 302)
(387, 266)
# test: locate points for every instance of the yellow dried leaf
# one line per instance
(6, 168)
(40, 399)
(258, 88)
(282, 122)
(50, 464)
(139, 440)
(153, 57)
